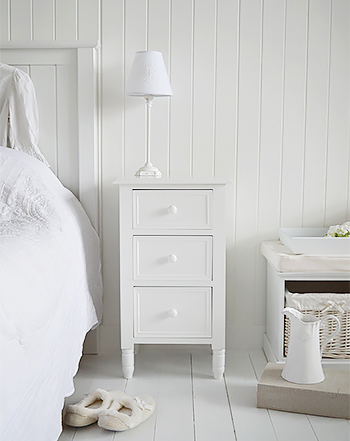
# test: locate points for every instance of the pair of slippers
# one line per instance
(112, 410)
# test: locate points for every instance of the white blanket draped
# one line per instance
(50, 296)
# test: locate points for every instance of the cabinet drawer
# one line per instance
(172, 209)
(172, 312)
(172, 258)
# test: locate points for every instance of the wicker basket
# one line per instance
(321, 305)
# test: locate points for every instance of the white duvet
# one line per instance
(50, 296)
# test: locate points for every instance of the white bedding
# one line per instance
(50, 296)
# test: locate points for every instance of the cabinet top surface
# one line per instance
(156, 182)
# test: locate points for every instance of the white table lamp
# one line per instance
(148, 78)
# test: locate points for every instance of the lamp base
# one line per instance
(148, 171)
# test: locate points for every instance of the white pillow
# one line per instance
(19, 120)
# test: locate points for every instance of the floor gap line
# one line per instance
(125, 385)
(273, 426)
(252, 363)
(230, 408)
(312, 427)
(193, 412)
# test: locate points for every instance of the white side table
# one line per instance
(172, 266)
(283, 268)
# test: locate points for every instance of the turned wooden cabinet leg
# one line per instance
(218, 363)
(128, 363)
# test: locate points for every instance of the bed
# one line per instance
(50, 279)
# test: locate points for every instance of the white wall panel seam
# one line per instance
(237, 119)
(348, 208)
(348, 188)
(10, 19)
(147, 25)
(77, 26)
(192, 87)
(123, 91)
(99, 127)
(9, 31)
(215, 87)
(54, 19)
(348, 184)
(31, 20)
(77, 19)
(56, 111)
(283, 109)
(328, 109)
(305, 106)
(257, 245)
(170, 19)
(4, 21)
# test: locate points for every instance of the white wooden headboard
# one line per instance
(66, 84)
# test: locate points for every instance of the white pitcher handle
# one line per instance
(331, 336)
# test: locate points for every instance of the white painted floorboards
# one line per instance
(191, 405)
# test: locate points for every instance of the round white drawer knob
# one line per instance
(172, 209)
(173, 313)
(172, 258)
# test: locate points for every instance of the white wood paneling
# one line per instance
(270, 138)
(315, 144)
(43, 20)
(158, 35)
(4, 21)
(112, 128)
(64, 126)
(66, 20)
(44, 79)
(88, 19)
(204, 74)
(136, 13)
(21, 20)
(253, 88)
(88, 153)
(247, 167)
(23, 67)
(54, 79)
(295, 59)
(67, 123)
(338, 122)
(47, 20)
(226, 88)
(180, 156)
(261, 96)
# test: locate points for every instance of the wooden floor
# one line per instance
(191, 405)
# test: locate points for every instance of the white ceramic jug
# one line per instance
(303, 364)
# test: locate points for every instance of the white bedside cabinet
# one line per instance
(172, 266)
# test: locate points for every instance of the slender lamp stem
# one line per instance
(149, 107)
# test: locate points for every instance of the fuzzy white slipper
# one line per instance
(127, 413)
(87, 411)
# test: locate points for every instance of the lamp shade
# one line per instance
(148, 75)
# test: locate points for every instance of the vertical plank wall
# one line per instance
(261, 96)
